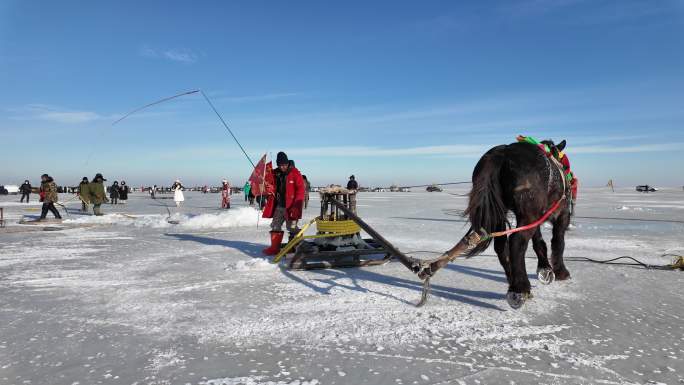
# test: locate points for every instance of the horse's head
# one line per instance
(555, 148)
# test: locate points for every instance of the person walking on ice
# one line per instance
(98, 195)
(225, 194)
(25, 190)
(114, 193)
(285, 203)
(177, 189)
(48, 195)
(84, 194)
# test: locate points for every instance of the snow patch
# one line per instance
(253, 265)
(240, 217)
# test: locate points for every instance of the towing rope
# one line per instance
(526, 227)
(677, 262)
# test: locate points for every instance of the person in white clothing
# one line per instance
(177, 189)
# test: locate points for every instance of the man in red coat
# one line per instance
(285, 201)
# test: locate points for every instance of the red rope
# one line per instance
(531, 225)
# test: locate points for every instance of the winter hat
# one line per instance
(26, 181)
(352, 177)
(99, 176)
(224, 181)
(282, 159)
(85, 179)
(45, 176)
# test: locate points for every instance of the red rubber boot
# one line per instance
(276, 239)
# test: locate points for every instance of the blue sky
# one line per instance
(393, 92)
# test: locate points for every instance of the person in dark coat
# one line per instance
(123, 192)
(25, 190)
(48, 194)
(114, 192)
(84, 194)
(352, 184)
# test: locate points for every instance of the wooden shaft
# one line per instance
(464, 245)
(409, 262)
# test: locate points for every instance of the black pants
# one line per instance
(24, 195)
(49, 206)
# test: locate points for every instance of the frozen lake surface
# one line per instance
(128, 298)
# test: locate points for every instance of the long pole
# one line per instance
(226, 126)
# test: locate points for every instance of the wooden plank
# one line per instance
(409, 262)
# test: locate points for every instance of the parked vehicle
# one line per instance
(9, 189)
(646, 188)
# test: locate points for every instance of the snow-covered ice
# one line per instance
(129, 298)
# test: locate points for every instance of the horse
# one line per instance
(521, 178)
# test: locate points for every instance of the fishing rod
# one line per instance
(226, 126)
(206, 98)
(155, 103)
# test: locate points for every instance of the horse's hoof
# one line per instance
(546, 276)
(562, 274)
(516, 300)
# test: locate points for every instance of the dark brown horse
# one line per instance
(521, 178)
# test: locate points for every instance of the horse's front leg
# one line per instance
(560, 225)
(501, 248)
(544, 270)
(519, 288)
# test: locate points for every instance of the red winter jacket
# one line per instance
(294, 195)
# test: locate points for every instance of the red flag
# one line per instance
(261, 179)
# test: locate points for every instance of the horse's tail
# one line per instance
(486, 209)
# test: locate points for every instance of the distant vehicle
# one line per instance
(433, 188)
(9, 189)
(646, 188)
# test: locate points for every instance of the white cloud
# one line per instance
(366, 151)
(654, 147)
(54, 114)
(180, 55)
(447, 150)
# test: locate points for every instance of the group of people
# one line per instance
(287, 195)
(94, 193)
(89, 192)
(118, 193)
